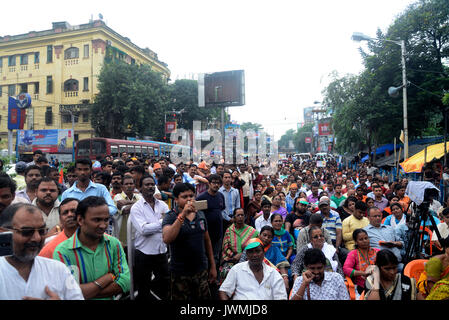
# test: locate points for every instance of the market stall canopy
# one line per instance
(415, 163)
(389, 161)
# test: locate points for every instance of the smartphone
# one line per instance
(6, 244)
(201, 205)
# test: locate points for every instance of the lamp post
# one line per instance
(357, 36)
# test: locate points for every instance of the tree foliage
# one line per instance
(364, 113)
(135, 101)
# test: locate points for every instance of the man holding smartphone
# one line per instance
(192, 263)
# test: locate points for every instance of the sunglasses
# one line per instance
(29, 232)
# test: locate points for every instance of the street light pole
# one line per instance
(404, 94)
(357, 36)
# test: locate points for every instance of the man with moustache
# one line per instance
(47, 201)
(24, 275)
(97, 259)
(116, 184)
(33, 174)
(315, 283)
(68, 224)
(150, 251)
(253, 279)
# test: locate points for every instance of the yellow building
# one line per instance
(59, 68)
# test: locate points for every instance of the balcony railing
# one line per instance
(71, 62)
(36, 66)
(12, 69)
(23, 68)
(69, 94)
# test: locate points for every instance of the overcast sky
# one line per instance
(286, 47)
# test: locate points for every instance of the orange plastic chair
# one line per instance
(383, 220)
(351, 287)
(414, 268)
(362, 296)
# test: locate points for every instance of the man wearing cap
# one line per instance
(333, 224)
(301, 213)
(20, 177)
(253, 279)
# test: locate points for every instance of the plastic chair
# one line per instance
(351, 287)
(362, 296)
(130, 244)
(383, 220)
(414, 268)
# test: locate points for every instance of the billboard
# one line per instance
(49, 141)
(324, 129)
(225, 89)
(308, 115)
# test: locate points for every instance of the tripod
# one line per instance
(416, 233)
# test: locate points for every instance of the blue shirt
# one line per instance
(332, 223)
(290, 201)
(93, 189)
(232, 201)
(384, 233)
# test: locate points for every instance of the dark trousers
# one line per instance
(144, 267)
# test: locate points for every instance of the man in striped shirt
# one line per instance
(331, 221)
(96, 259)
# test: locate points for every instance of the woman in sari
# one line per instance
(385, 282)
(277, 208)
(282, 239)
(359, 259)
(235, 239)
(317, 242)
(437, 274)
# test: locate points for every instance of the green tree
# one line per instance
(131, 101)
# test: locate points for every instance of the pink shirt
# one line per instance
(351, 263)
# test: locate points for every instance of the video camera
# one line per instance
(422, 194)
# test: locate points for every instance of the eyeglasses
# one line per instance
(29, 232)
(318, 236)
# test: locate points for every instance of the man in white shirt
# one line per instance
(47, 201)
(264, 218)
(442, 227)
(151, 252)
(253, 279)
(23, 275)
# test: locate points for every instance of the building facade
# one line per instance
(59, 68)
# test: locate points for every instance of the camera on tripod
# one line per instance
(422, 193)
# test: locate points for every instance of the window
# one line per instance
(49, 53)
(114, 151)
(85, 117)
(71, 53)
(49, 116)
(66, 118)
(86, 84)
(36, 87)
(23, 88)
(23, 59)
(49, 84)
(12, 90)
(83, 147)
(71, 85)
(86, 51)
(1, 62)
(1, 91)
(11, 61)
(98, 147)
(36, 57)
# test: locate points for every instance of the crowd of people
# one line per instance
(211, 231)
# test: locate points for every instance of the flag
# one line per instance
(61, 174)
(401, 137)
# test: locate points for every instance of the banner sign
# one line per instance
(308, 140)
(16, 115)
(49, 141)
(170, 127)
(324, 129)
